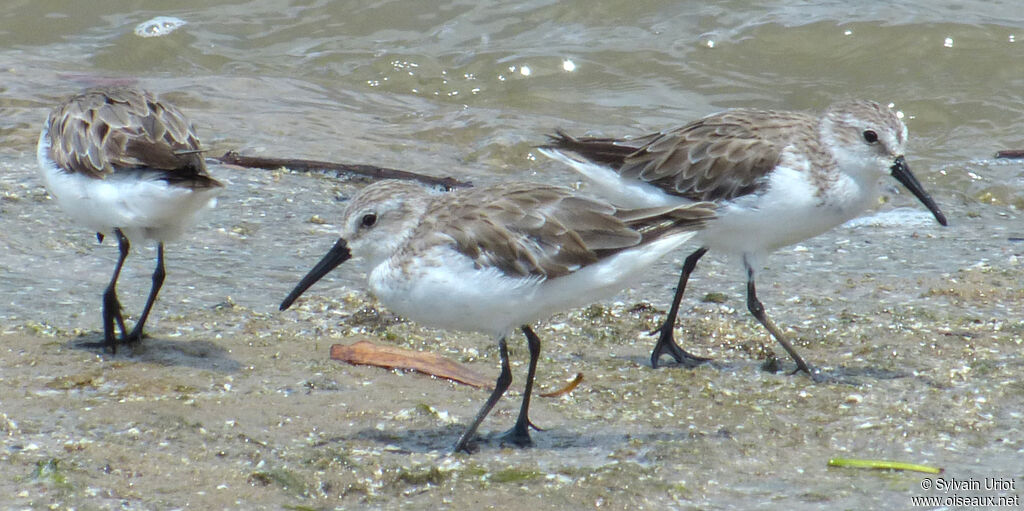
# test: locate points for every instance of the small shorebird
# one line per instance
(498, 258)
(777, 177)
(121, 162)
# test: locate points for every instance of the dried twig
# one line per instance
(368, 353)
(1010, 153)
(233, 158)
(566, 389)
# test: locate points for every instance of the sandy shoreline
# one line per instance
(263, 419)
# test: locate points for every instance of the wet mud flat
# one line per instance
(232, 405)
(226, 407)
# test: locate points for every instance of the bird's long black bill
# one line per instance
(338, 254)
(901, 171)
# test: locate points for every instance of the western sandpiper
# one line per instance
(497, 258)
(119, 161)
(778, 178)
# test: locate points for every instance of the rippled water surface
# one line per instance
(468, 88)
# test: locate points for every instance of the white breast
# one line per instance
(139, 203)
(443, 288)
(788, 211)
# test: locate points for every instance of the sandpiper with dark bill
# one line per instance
(778, 178)
(121, 162)
(498, 258)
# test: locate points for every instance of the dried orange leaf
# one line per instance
(566, 389)
(368, 353)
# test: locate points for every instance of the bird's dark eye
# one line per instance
(369, 219)
(870, 136)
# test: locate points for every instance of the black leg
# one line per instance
(111, 305)
(666, 342)
(757, 310)
(158, 282)
(520, 433)
(500, 386)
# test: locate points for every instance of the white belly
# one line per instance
(789, 211)
(443, 288)
(140, 204)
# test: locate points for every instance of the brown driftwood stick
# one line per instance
(382, 355)
(233, 158)
(1011, 153)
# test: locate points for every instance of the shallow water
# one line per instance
(467, 89)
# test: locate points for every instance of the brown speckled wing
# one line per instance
(529, 229)
(102, 131)
(719, 157)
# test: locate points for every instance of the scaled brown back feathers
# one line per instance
(526, 229)
(719, 157)
(101, 131)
